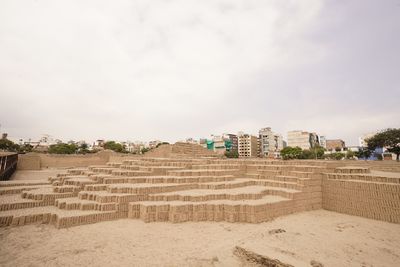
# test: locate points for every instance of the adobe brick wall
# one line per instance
(37, 161)
(30, 161)
(374, 200)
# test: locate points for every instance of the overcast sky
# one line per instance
(143, 70)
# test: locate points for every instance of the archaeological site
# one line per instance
(185, 183)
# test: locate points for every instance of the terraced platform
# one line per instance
(174, 190)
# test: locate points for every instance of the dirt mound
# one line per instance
(250, 258)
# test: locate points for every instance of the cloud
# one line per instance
(174, 69)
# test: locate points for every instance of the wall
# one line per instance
(37, 161)
(8, 164)
(378, 200)
(30, 161)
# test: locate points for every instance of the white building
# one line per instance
(270, 143)
(322, 141)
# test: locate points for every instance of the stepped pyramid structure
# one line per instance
(181, 150)
(182, 189)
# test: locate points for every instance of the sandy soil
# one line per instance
(330, 238)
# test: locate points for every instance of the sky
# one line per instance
(173, 69)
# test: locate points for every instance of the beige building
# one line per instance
(270, 143)
(337, 144)
(248, 145)
(302, 139)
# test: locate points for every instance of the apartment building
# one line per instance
(302, 139)
(248, 145)
(322, 141)
(270, 143)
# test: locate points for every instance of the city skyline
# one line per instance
(146, 71)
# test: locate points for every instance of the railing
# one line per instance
(8, 165)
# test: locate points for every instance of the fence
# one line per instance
(8, 165)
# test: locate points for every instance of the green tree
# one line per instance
(291, 152)
(307, 154)
(363, 153)
(83, 148)
(339, 155)
(25, 148)
(389, 139)
(318, 152)
(232, 154)
(335, 156)
(8, 145)
(63, 148)
(144, 150)
(112, 145)
(350, 154)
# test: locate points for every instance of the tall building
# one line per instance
(248, 145)
(270, 143)
(337, 144)
(322, 141)
(302, 139)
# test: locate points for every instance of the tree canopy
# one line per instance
(63, 148)
(112, 145)
(8, 145)
(389, 139)
(291, 152)
(316, 152)
(232, 154)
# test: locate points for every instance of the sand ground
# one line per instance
(330, 238)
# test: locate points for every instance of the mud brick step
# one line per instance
(45, 195)
(280, 184)
(13, 202)
(114, 164)
(66, 189)
(199, 172)
(99, 178)
(253, 175)
(241, 182)
(148, 188)
(95, 187)
(121, 172)
(9, 190)
(216, 167)
(77, 171)
(79, 204)
(219, 210)
(351, 169)
(363, 177)
(21, 183)
(79, 182)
